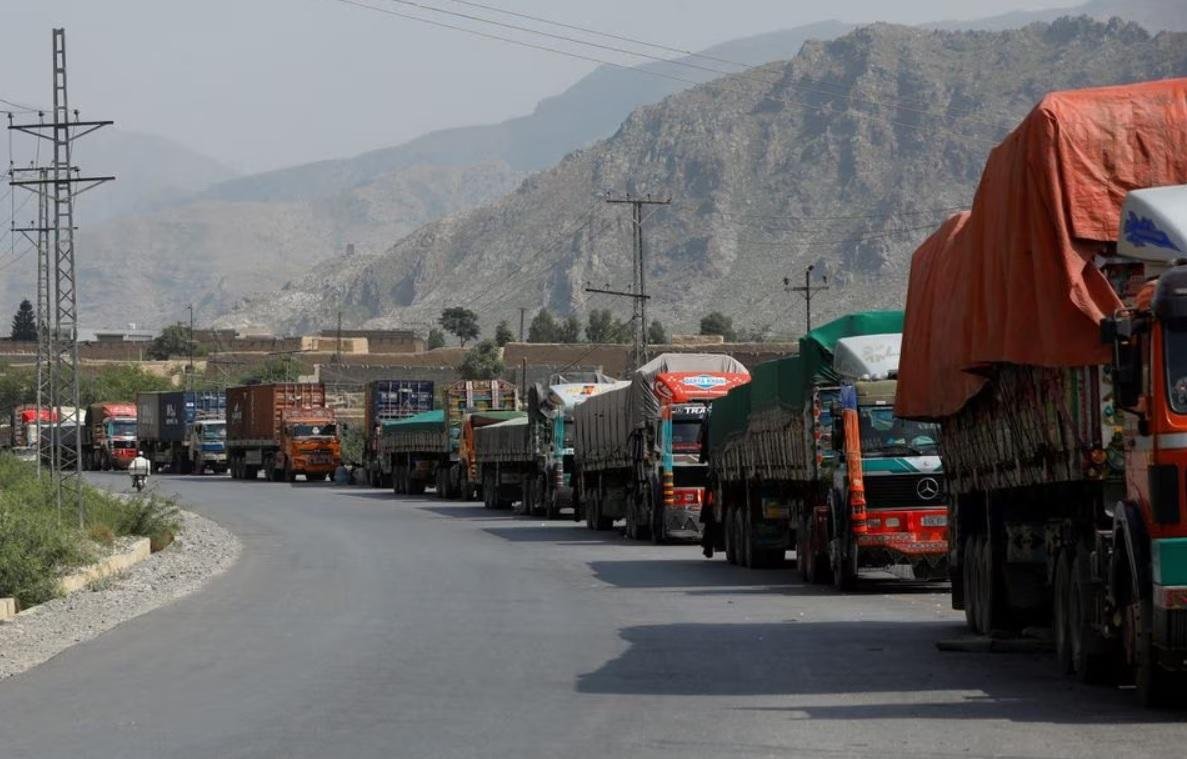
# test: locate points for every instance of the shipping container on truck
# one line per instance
(810, 456)
(183, 431)
(638, 449)
(1046, 332)
(529, 461)
(109, 436)
(385, 401)
(284, 429)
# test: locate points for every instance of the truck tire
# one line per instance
(416, 487)
(731, 538)
(1061, 625)
(1091, 655)
(1151, 681)
(968, 572)
(290, 475)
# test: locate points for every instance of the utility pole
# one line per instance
(189, 371)
(338, 339)
(807, 289)
(522, 312)
(63, 183)
(639, 267)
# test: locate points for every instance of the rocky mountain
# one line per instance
(146, 268)
(151, 173)
(845, 157)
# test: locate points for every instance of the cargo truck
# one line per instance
(24, 423)
(183, 431)
(810, 456)
(284, 429)
(530, 460)
(384, 401)
(1046, 331)
(433, 445)
(109, 436)
(637, 448)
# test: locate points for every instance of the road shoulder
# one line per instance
(202, 551)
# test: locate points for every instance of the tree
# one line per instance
(24, 323)
(120, 382)
(174, 340)
(460, 322)
(483, 361)
(503, 334)
(602, 327)
(436, 339)
(569, 331)
(717, 323)
(543, 328)
(656, 335)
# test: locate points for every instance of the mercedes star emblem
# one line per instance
(927, 488)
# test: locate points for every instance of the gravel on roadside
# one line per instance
(202, 551)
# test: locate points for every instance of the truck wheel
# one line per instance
(1151, 680)
(1090, 652)
(844, 569)
(659, 534)
(968, 572)
(1061, 625)
(290, 474)
(416, 487)
(552, 507)
(731, 540)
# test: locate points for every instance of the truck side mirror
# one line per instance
(1120, 332)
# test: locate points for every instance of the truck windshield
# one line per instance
(1174, 340)
(686, 435)
(123, 429)
(216, 432)
(884, 434)
(313, 430)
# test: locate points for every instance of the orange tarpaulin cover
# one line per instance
(1013, 280)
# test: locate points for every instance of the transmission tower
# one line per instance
(61, 184)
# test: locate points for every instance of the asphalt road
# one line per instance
(361, 625)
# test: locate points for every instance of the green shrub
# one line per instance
(38, 544)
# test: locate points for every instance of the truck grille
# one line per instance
(905, 491)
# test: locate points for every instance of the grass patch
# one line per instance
(36, 546)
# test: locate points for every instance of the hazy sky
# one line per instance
(264, 83)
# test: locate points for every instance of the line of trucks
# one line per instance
(805, 454)
(1031, 443)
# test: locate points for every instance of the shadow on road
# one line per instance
(853, 661)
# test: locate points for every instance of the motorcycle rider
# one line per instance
(139, 469)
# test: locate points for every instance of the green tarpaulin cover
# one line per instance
(787, 382)
(429, 420)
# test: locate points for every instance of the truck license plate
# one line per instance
(934, 520)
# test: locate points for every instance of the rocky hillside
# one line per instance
(147, 268)
(845, 157)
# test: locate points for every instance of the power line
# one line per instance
(848, 217)
(607, 35)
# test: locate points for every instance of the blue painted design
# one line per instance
(848, 397)
(1141, 231)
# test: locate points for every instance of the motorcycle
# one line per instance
(139, 469)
